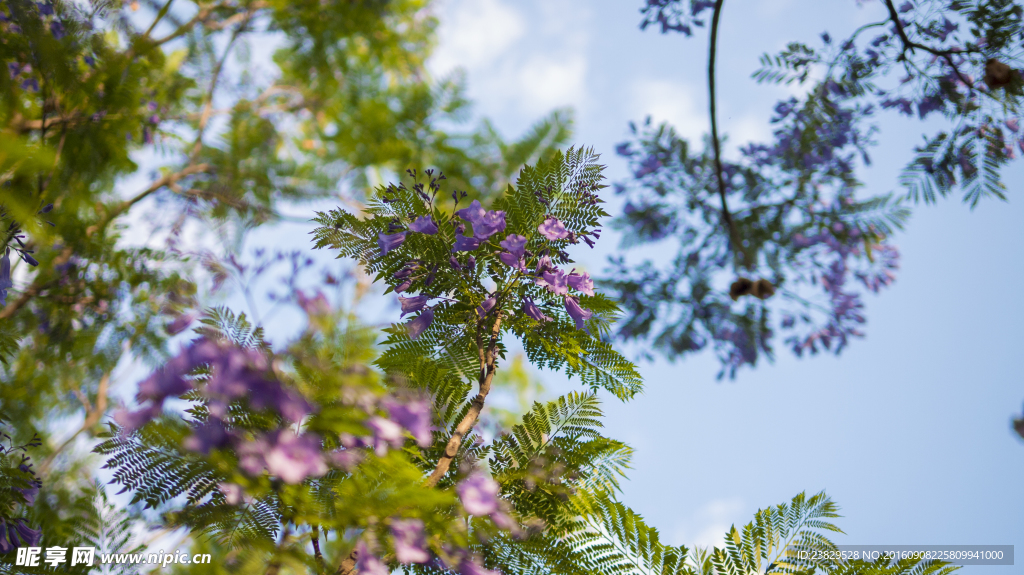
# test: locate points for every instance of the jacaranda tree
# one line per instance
(350, 448)
(783, 241)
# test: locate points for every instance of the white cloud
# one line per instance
(707, 527)
(548, 82)
(475, 33)
(521, 58)
(672, 102)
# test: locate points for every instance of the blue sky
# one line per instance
(909, 430)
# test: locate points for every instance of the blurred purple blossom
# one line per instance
(415, 416)
(211, 434)
(181, 323)
(290, 457)
(578, 314)
(389, 242)
(387, 434)
(420, 323)
(479, 494)
(32, 490)
(553, 229)
(471, 567)
(313, 306)
(424, 225)
(531, 310)
(233, 494)
(409, 541)
(368, 563)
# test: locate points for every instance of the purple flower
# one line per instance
(582, 283)
(470, 567)
(32, 491)
(486, 307)
(553, 229)
(293, 458)
(386, 433)
(413, 304)
(1013, 124)
(491, 223)
(207, 436)
(314, 306)
(515, 244)
(388, 243)
(420, 323)
(264, 394)
(578, 314)
(368, 563)
(555, 282)
(410, 543)
(5, 276)
(132, 420)
(181, 323)
(464, 244)
(424, 225)
(906, 7)
(512, 261)
(233, 493)
(347, 459)
(544, 265)
(485, 223)
(20, 535)
(531, 309)
(479, 494)
(415, 416)
(516, 249)
(403, 286)
(473, 213)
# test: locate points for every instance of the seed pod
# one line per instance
(997, 74)
(740, 287)
(762, 289)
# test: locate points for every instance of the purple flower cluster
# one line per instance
(413, 416)
(16, 533)
(236, 373)
(485, 223)
(479, 496)
(290, 457)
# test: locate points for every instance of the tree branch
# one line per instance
(734, 238)
(487, 368)
(92, 417)
(908, 45)
(477, 405)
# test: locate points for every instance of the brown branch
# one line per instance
(734, 236)
(317, 555)
(487, 368)
(92, 417)
(909, 46)
(476, 406)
